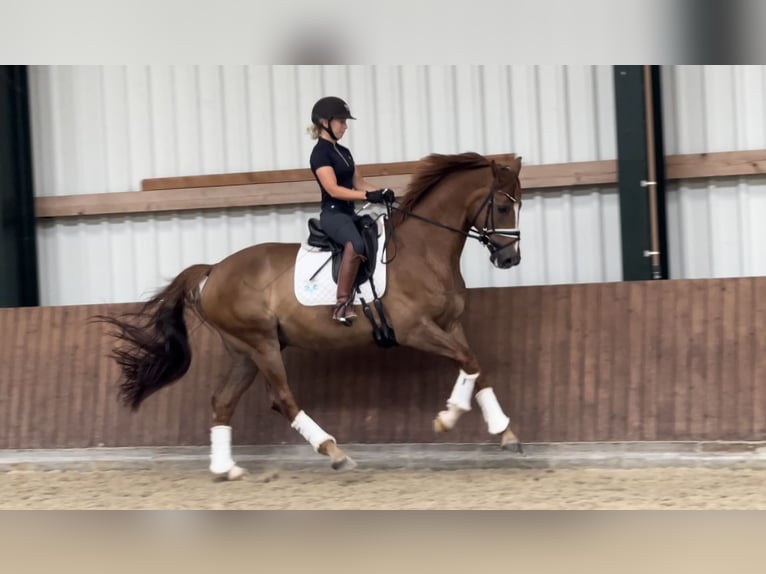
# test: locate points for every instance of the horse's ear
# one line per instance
(518, 164)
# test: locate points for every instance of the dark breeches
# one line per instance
(341, 228)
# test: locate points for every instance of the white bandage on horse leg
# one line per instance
(309, 430)
(459, 401)
(463, 391)
(494, 416)
(220, 449)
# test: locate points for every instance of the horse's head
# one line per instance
(496, 215)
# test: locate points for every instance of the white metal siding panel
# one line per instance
(715, 226)
(566, 238)
(118, 259)
(103, 129)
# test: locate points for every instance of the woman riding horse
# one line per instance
(248, 298)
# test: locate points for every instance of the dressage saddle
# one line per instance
(368, 228)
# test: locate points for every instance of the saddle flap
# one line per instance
(368, 229)
(318, 238)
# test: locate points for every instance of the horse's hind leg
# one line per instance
(224, 401)
(266, 353)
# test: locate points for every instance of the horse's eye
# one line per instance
(504, 209)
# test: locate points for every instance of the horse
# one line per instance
(248, 299)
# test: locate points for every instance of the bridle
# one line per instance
(482, 234)
(488, 229)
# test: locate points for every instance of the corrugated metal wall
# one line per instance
(103, 129)
(715, 227)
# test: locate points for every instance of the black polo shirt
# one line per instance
(339, 158)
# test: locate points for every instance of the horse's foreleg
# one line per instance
(269, 359)
(431, 338)
(497, 421)
(224, 402)
(494, 416)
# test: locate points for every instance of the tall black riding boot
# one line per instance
(349, 266)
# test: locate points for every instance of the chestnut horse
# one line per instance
(248, 298)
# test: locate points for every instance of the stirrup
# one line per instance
(344, 313)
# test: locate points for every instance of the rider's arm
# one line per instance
(326, 176)
(363, 184)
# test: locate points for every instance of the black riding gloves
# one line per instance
(381, 196)
(375, 196)
(389, 196)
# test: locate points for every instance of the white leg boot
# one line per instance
(458, 403)
(221, 462)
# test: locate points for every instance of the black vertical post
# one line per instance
(18, 245)
(633, 162)
(659, 161)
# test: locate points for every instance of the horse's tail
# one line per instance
(156, 352)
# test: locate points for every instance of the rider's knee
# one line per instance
(357, 245)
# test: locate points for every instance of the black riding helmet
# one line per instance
(330, 108)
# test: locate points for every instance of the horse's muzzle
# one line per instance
(507, 256)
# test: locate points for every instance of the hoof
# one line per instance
(439, 426)
(234, 473)
(345, 463)
(445, 421)
(513, 447)
(510, 443)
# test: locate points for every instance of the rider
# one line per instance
(341, 184)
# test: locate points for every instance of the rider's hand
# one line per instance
(389, 196)
(376, 196)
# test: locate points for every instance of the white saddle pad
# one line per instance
(321, 290)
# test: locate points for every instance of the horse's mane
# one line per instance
(433, 169)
